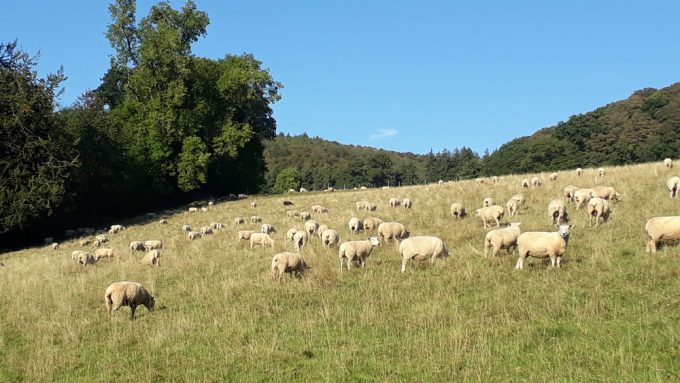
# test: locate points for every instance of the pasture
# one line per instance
(610, 313)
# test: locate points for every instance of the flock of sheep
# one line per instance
(597, 201)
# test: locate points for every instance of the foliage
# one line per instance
(287, 179)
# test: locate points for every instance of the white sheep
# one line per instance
(673, 184)
(255, 219)
(330, 238)
(519, 197)
(662, 229)
(211, 203)
(206, 230)
(495, 179)
(151, 258)
(193, 210)
(488, 201)
(407, 203)
(75, 254)
(311, 227)
(579, 171)
(457, 210)
(55, 246)
(239, 221)
(305, 215)
(553, 176)
(391, 230)
(193, 235)
(319, 209)
(186, 228)
(371, 223)
(557, 211)
(253, 204)
(85, 258)
(216, 226)
(598, 208)
(261, 239)
(204, 209)
(321, 229)
(244, 235)
(116, 229)
(605, 192)
(102, 238)
(153, 244)
(667, 162)
(267, 228)
(582, 196)
(292, 213)
(355, 224)
(137, 246)
(505, 238)
(287, 263)
(163, 221)
(97, 243)
(601, 172)
(126, 293)
(421, 248)
(543, 245)
(569, 191)
(512, 206)
(525, 182)
(84, 242)
(493, 213)
(290, 234)
(300, 240)
(356, 251)
(303, 190)
(535, 181)
(104, 253)
(394, 202)
(371, 206)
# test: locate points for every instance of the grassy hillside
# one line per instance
(609, 314)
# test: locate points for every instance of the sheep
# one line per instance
(543, 245)
(579, 171)
(84, 242)
(457, 210)
(136, 246)
(321, 229)
(363, 188)
(582, 196)
(421, 248)
(605, 192)
(253, 204)
(153, 244)
(239, 221)
(598, 207)
(406, 203)
(55, 246)
(662, 229)
(488, 201)
(557, 211)
(505, 238)
(126, 293)
(290, 234)
(668, 163)
(193, 210)
(244, 235)
(204, 209)
(601, 172)
(394, 202)
(299, 240)
(163, 221)
(356, 251)
(330, 238)
(512, 206)
(355, 224)
(85, 258)
(292, 213)
(495, 179)
(211, 203)
(216, 226)
(391, 230)
(75, 254)
(303, 190)
(116, 229)
(319, 209)
(151, 258)
(267, 228)
(569, 191)
(371, 223)
(286, 202)
(673, 184)
(311, 227)
(255, 219)
(292, 190)
(287, 263)
(241, 196)
(48, 240)
(535, 181)
(440, 182)
(553, 177)
(206, 230)
(360, 205)
(305, 216)
(186, 228)
(261, 239)
(493, 213)
(102, 238)
(371, 206)
(193, 235)
(519, 197)
(97, 243)
(104, 253)
(525, 183)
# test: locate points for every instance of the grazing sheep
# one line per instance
(125, 293)
(488, 201)
(543, 245)
(193, 235)
(102, 238)
(136, 246)
(406, 203)
(440, 182)
(104, 253)
(300, 240)
(255, 219)
(557, 211)
(84, 242)
(355, 224)
(292, 213)
(151, 258)
(601, 172)
(525, 183)
(662, 229)
(186, 228)
(163, 221)
(356, 251)
(287, 263)
(211, 203)
(672, 184)
(569, 191)
(535, 181)
(505, 238)
(598, 207)
(579, 171)
(512, 206)
(605, 192)
(371, 223)
(371, 206)
(244, 235)
(582, 196)
(311, 227)
(493, 213)
(206, 230)
(204, 209)
(394, 202)
(667, 162)
(261, 239)
(242, 196)
(267, 228)
(85, 258)
(239, 221)
(253, 204)
(290, 234)
(55, 246)
(330, 238)
(153, 244)
(480, 180)
(303, 190)
(286, 202)
(391, 230)
(75, 254)
(319, 209)
(519, 197)
(321, 229)
(421, 248)
(305, 215)
(216, 226)
(116, 229)
(48, 240)
(360, 205)
(97, 243)
(553, 177)
(457, 210)
(193, 210)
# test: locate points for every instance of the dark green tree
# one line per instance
(288, 178)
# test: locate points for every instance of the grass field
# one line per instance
(610, 314)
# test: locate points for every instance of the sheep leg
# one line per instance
(553, 260)
(520, 262)
(132, 311)
(404, 261)
(559, 261)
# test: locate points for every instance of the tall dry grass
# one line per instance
(609, 314)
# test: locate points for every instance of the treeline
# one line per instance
(163, 127)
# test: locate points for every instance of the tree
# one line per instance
(288, 178)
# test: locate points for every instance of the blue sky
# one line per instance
(401, 75)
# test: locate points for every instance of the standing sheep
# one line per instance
(598, 207)
(505, 238)
(391, 230)
(261, 239)
(457, 210)
(601, 172)
(84, 242)
(255, 219)
(662, 229)
(237, 221)
(672, 184)
(668, 163)
(311, 227)
(543, 245)
(421, 248)
(319, 209)
(512, 206)
(300, 240)
(553, 177)
(355, 224)
(253, 204)
(493, 213)
(488, 201)
(569, 191)
(582, 196)
(116, 229)
(304, 216)
(193, 235)
(535, 181)
(356, 251)
(290, 234)
(525, 183)
(104, 253)
(519, 197)
(193, 210)
(244, 235)
(151, 258)
(55, 246)
(267, 228)
(186, 228)
(85, 258)
(163, 221)
(125, 293)
(557, 211)
(579, 171)
(287, 263)
(330, 238)
(406, 203)
(394, 202)
(292, 213)
(321, 229)
(136, 246)
(371, 223)
(605, 192)
(216, 226)
(152, 245)
(206, 230)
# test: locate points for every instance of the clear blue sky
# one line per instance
(402, 75)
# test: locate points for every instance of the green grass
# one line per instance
(609, 314)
